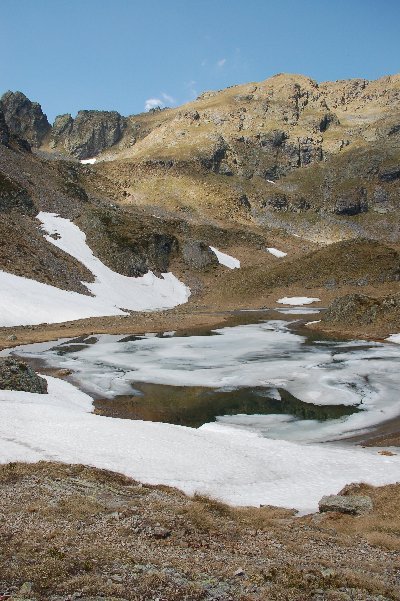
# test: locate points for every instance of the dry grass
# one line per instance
(76, 530)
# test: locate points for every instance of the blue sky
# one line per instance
(121, 54)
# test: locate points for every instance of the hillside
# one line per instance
(286, 163)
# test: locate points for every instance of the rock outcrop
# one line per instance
(17, 375)
(4, 133)
(198, 255)
(88, 134)
(353, 309)
(24, 119)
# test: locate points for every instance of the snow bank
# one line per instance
(394, 338)
(276, 252)
(28, 302)
(88, 161)
(237, 467)
(225, 259)
(297, 300)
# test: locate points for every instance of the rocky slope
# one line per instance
(284, 163)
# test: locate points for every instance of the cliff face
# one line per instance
(88, 134)
(24, 119)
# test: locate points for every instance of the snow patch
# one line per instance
(235, 466)
(297, 300)
(276, 252)
(394, 338)
(88, 161)
(225, 259)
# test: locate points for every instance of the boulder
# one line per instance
(24, 119)
(351, 504)
(17, 375)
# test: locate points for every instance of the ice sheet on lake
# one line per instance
(298, 311)
(233, 465)
(256, 355)
(27, 302)
(225, 259)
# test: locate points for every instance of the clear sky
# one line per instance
(125, 55)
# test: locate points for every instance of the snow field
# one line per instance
(234, 466)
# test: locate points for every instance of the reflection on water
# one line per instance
(195, 405)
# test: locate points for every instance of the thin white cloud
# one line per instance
(221, 62)
(191, 87)
(168, 98)
(152, 103)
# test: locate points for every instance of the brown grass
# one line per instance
(69, 529)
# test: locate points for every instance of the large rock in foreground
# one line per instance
(352, 504)
(24, 119)
(16, 375)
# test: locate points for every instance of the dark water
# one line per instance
(195, 406)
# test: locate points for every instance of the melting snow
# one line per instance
(233, 465)
(276, 252)
(225, 259)
(394, 338)
(297, 300)
(27, 302)
(88, 161)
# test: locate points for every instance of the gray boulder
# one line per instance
(88, 134)
(351, 504)
(17, 375)
(24, 119)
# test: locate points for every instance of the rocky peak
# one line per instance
(24, 119)
(88, 134)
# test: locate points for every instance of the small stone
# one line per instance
(239, 572)
(161, 533)
(25, 589)
(328, 573)
(62, 373)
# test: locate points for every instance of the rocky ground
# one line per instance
(72, 532)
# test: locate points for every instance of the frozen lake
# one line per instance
(263, 377)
